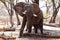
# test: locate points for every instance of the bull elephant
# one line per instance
(32, 16)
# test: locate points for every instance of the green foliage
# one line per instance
(46, 15)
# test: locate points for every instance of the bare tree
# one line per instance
(11, 12)
(3, 1)
(47, 7)
(55, 11)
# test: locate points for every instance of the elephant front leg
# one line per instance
(22, 27)
(29, 29)
(29, 25)
(17, 19)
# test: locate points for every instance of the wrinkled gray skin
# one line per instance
(36, 21)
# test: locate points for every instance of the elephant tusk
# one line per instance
(34, 15)
(24, 11)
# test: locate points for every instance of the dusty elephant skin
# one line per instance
(19, 8)
(36, 21)
(34, 17)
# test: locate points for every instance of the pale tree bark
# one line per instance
(10, 13)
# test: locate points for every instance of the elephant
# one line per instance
(32, 16)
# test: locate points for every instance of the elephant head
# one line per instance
(19, 8)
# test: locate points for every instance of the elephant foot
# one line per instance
(42, 33)
(35, 31)
(29, 31)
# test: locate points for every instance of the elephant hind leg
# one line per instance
(35, 28)
(41, 27)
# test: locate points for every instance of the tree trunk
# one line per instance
(47, 7)
(3, 1)
(53, 17)
(55, 11)
(54, 14)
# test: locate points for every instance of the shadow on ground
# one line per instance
(27, 36)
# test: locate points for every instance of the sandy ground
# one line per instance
(51, 31)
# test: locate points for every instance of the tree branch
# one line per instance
(4, 3)
(58, 6)
(53, 3)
